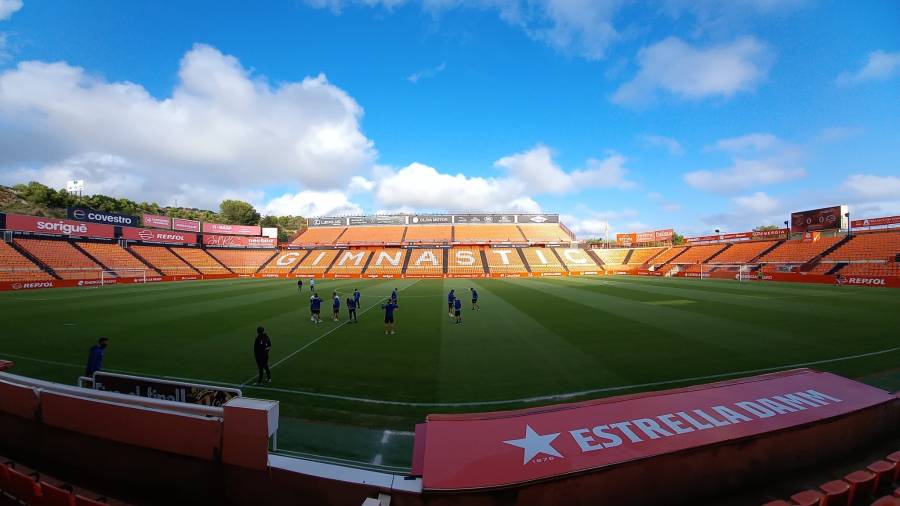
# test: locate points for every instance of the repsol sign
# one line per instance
(867, 281)
(93, 216)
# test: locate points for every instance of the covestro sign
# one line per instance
(93, 216)
(499, 449)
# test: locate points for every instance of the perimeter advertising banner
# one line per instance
(163, 236)
(378, 219)
(876, 222)
(93, 216)
(626, 239)
(827, 218)
(500, 449)
(157, 221)
(327, 222)
(185, 225)
(220, 228)
(190, 393)
(431, 219)
(645, 237)
(56, 226)
(485, 218)
(537, 218)
(238, 241)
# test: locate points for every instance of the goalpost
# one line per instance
(741, 272)
(139, 275)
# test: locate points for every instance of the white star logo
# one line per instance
(534, 443)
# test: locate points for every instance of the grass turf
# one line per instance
(350, 392)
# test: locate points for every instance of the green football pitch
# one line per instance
(350, 393)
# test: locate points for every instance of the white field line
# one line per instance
(323, 336)
(522, 400)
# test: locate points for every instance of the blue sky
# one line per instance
(689, 114)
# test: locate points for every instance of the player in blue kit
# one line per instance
(450, 298)
(336, 306)
(356, 296)
(457, 310)
(315, 307)
(475, 306)
(394, 298)
(351, 310)
(389, 307)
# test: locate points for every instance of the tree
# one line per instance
(237, 212)
(677, 239)
(765, 228)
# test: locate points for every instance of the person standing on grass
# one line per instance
(261, 346)
(336, 305)
(312, 284)
(95, 357)
(394, 297)
(450, 298)
(315, 306)
(299, 285)
(389, 307)
(356, 296)
(457, 310)
(475, 306)
(351, 310)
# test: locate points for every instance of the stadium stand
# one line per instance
(614, 259)
(242, 261)
(316, 262)
(542, 260)
(577, 260)
(504, 261)
(372, 235)
(200, 260)
(465, 260)
(640, 256)
(426, 262)
(351, 261)
(163, 259)
(319, 236)
(117, 258)
(23, 485)
(549, 232)
(699, 254)
(797, 252)
(667, 256)
(742, 253)
(16, 267)
(61, 256)
(877, 247)
(284, 262)
(386, 261)
(429, 234)
(487, 233)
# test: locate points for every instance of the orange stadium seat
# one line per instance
(16, 267)
(163, 259)
(63, 258)
(504, 261)
(116, 258)
(872, 269)
(386, 261)
(640, 256)
(465, 260)
(319, 236)
(742, 252)
(242, 261)
(542, 260)
(429, 234)
(372, 235)
(487, 233)
(351, 261)
(577, 260)
(316, 262)
(426, 261)
(798, 252)
(200, 260)
(546, 232)
(614, 259)
(880, 246)
(668, 255)
(284, 262)
(698, 254)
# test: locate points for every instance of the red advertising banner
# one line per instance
(626, 239)
(58, 227)
(156, 221)
(218, 228)
(645, 237)
(499, 449)
(876, 222)
(185, 225)
(165, 236)
(780, 233)
(234, 241)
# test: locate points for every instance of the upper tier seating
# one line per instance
(577, 260)
(643, 255)
(487, 233)
(870, 269)
(614, 259)
(283, 262)
(116, 258)
(426, 261)
(547, 232)
(242, 261)
(879, 246)
(386, 261)
(372, 235)
(542, 260)
(16, 267)
(201, 260)
(668, 255)
(465, 260)
(63, 258)
(504, 260)
(428, 234)
(351, 261)
(697, 254)
(319, 236)
(163, 259)
(742, 252)
(798, 252)
(316, 262)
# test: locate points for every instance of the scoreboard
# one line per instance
(827, 218)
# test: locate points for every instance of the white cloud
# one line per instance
(881, 65)
(221, 128)
(677, 68)
(359, 184)
(775, 161)
(312, 203)
(8, 8)
(540, 174)
(660, 141)
(835, 134)
(758, 203)
(744, 143)
(873, 187)
(428, 73)
(665, 205)
(588, 228)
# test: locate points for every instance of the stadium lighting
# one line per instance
(849, 224)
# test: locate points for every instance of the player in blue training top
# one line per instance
(315, 306)
(457, 310)
(351, 310)
(475, 306)
(394, 298)
(389, 307)
(450, 298)
(336, 305)
(356, 296)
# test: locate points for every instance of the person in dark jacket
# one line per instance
(261, 347)
(95, 357)
(351, 310)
